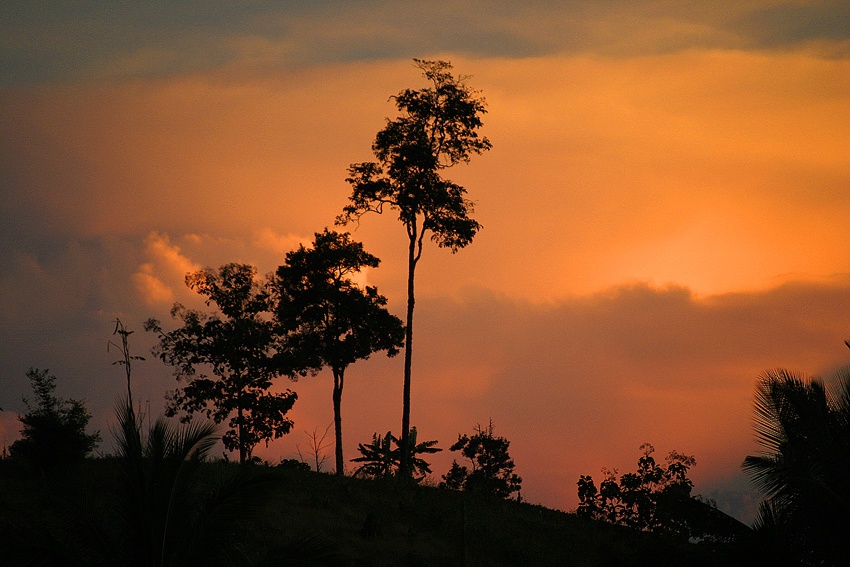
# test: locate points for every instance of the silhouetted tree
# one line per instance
(54, 430)
(237, 347)
(804, 427)
(382, 457)
(651, 499)
(437, 129)
(492, 469)
(329, 320)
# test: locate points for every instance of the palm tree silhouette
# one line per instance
(804, 427)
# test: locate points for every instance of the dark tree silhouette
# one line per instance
(54, 430)
(329, 320)
(651, 499)
(382, 457)
(804, 428)
(657, 498)
(492, 467)
(237, 347)
(437, 129)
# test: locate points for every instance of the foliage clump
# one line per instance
(654, 498)
(54, 430)
(492, 469)
(226, 358)
(382, 458)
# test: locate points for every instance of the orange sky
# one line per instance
(664, 213)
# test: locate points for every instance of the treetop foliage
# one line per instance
(436, 129)
(323, 316)
(233, 288)
(492, 467)
(443, 120)
(54, 429)
(226, 358)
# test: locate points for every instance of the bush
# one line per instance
(54, 430)
(492, 467)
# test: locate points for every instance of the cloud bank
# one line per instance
(96, 39)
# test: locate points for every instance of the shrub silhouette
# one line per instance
(492, 467)
(382, 457)
(650, 499)
(54, 430)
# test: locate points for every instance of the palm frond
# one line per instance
(802, 426)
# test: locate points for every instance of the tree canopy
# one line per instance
(226, 358)
(54, 430)
(326, 319)
(492, 468)
(437, 128)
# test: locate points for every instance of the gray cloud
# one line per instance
(789, 23)
(59, 41)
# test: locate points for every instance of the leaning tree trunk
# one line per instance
(337, 395)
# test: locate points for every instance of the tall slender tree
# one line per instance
(225, 358)
(437, 128)
(327, 318)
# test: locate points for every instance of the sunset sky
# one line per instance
(665, 209)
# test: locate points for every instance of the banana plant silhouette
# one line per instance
(381, 460)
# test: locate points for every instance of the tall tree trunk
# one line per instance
(240, 431)
(408, 358)
(338, 384)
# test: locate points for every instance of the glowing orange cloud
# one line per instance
(719, 170)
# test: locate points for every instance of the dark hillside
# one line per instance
(365, 522)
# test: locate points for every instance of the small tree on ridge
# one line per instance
(327, 319)
(54, 430)
(226, 359)
(492, 468)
